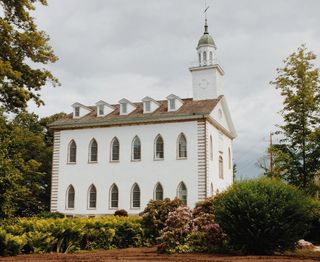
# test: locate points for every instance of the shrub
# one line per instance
(97, 235)
(9, 244)
(156, 214)
(128, 234)
(36, 235)
(314, 233)
(178, 227)
(121, 213)
(47, 214)
(263, 216)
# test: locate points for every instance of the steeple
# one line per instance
(207, 74)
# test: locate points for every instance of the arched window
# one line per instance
(182, 193)
(159, 152)
(70, 197)
(135, 196)
(220, 167)
(114, 196)
(182, 146)
(199, 59)
(72, 152)
(93, 151)
(211, 148)
(92, 197)
(205, 57)
(229, 158)
(211, 189)
(158, 192)
(211, 57)
(115, 149)
(136, 149)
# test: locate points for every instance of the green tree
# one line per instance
(25, 164)
(22, 47)
(297, 156)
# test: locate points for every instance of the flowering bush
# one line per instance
(155, 216)
(179, 225)
(186, 231)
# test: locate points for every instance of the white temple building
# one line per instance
(120, 156)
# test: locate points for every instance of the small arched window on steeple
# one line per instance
(199, 59)
(211, 58)
(205, 58)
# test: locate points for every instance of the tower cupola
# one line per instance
(206, 39)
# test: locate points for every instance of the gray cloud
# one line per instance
(119, 48)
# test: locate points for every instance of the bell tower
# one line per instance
(207, 74)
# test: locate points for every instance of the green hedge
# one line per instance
(36, 235)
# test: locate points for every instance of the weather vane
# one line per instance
(206, 7)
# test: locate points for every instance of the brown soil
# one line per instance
(150, 254)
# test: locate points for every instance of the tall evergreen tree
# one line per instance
(297, 156)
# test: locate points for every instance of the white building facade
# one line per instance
(108, 157)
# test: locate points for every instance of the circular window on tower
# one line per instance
(220, 113)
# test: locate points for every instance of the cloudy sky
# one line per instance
(110, 49)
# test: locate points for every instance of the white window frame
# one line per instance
(90, 145)
(155, 191)
(186, 193)
(89, 199)
(67, 197)
(178, 147)
(132, 149)
(155, 148)
(111, 150)
(110, 197)
(131, 193)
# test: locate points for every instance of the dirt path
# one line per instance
(150, 254)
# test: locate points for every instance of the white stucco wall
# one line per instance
(212, 78)
(146, 173)
(220, 148)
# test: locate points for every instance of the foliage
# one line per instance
(178, 226)
(156, 214)
(206, 230)
(22, 45)
(263, 216)
(297, 156)
(187, 231)
(121, 213)
(314, 233)
(36, 235)
(25, 164)
(47, 214)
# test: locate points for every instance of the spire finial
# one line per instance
(205, 15)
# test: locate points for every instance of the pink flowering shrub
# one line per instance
(187, 231)
(177, 228)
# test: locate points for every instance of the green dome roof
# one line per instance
(206, 39)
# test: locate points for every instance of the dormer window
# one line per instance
(172, 104)
(77, 111)
(101, 110)
(124, 108)
(147, 106)
(80, 110)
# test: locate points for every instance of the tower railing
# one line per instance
(208, 62)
